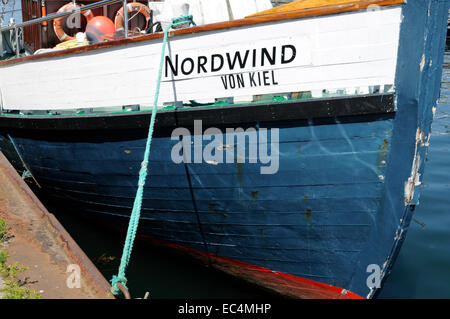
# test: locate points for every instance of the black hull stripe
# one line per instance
(227, 116)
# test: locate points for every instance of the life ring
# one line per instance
(58, 23)
(132, 7)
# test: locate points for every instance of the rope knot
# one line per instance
(117, 280)
(182, 20)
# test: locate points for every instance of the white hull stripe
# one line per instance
(329, 52)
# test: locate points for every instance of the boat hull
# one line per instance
(314, 223)
(309, 197)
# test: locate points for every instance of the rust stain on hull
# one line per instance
(308, 216)
(41, 243)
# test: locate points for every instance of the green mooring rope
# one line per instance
(135, 214)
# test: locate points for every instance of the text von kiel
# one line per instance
(234, 63)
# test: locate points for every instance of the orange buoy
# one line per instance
(132, 8)
(99, 28)
(58, 23)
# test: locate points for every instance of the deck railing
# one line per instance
(53, 16)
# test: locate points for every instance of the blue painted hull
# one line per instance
(312, 219)
(340, 203)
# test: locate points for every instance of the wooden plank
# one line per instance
(306, 4)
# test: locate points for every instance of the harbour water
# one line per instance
(422, 269)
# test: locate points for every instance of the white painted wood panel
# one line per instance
(339, 51)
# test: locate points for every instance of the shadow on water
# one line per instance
(164, 273)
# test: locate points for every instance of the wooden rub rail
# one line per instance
(295, 10)
(319, 4)
(41, 240)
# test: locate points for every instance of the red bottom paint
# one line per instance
(284, 284)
